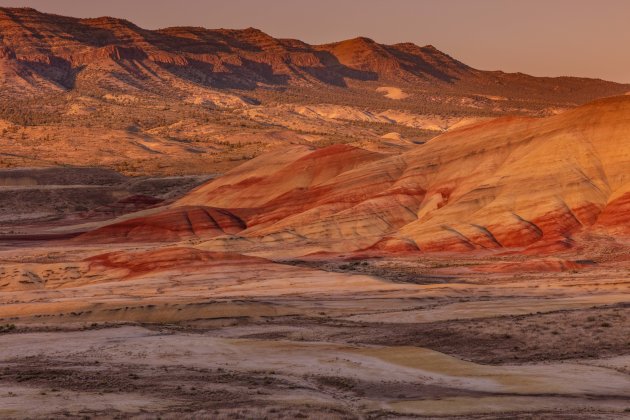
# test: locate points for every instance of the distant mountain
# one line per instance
(41, 53)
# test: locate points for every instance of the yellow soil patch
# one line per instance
(560, 378)
(393, 92)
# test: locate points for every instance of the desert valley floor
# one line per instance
(312, 338)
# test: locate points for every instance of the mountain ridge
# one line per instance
(65, 50)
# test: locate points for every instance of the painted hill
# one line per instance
(510, 183)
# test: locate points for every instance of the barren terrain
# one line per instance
(202, 223)
(337, 282)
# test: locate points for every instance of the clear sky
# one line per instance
(540, 37)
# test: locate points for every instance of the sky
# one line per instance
(589, 38)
